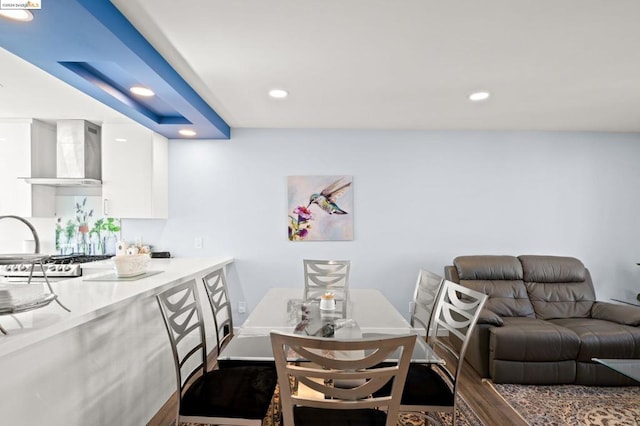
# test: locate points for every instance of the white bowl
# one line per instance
(130, 265)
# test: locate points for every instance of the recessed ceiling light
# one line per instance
(17, 15)
(120, 140)
(142, 91)
(278, 93)
(187, 132)
(479, 96)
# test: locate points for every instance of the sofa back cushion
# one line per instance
(501, 278)
(558, 287)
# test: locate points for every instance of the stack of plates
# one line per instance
(21, 297)
(6, 300)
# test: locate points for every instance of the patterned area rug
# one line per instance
(465, 416)
(573, 405)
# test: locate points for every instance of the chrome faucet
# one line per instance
(31, 227)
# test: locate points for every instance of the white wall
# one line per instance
(420, 199)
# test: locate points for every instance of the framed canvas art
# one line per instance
(320, 208)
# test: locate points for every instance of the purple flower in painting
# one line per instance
(303, 213)
(299, 224)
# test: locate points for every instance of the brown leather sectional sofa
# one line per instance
(542, 323)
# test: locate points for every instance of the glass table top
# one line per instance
(370, 314)
(628, 367)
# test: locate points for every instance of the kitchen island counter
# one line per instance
(91, 299)
(108, 361)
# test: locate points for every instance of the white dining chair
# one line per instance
(231, 396)
(433, 388)
(215, 285)
(307, 391)
(424, 299)
(322, 276)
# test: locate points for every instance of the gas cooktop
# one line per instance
(63, 259)
(67, 266)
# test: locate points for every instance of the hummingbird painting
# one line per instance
(326, 199)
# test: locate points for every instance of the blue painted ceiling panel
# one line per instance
(90, 45)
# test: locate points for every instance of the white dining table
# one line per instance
(369, 314)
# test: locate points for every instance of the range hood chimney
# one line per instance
(78, 153)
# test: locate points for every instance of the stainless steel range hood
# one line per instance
(78, 155)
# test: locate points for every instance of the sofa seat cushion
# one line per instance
(603, 339)
(532, 340)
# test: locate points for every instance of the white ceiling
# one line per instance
(28, 92)
(409, 64)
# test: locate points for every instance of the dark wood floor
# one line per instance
(167, 414)
(485, 402)
(480, 396)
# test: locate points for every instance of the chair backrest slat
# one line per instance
(424, 299)
(321, 276)
(455, 314)
(355, 364)
(215, 284)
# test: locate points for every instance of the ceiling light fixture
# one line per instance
(142, 91)
(278, 93)
(17, 15)
(187, 132)
(479, 96)
(120, 140)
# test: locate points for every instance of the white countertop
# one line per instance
(89, 300)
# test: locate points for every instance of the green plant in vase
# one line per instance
(82, 217)
(112, 226)
(70, 233)
(99, 226)
(58, 234)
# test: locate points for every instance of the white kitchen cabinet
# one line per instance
(135, 179)
(27, 149)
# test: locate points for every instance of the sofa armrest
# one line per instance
(621, 314)
(487, 316)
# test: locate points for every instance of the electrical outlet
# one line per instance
(197, 242)
(242, 307)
